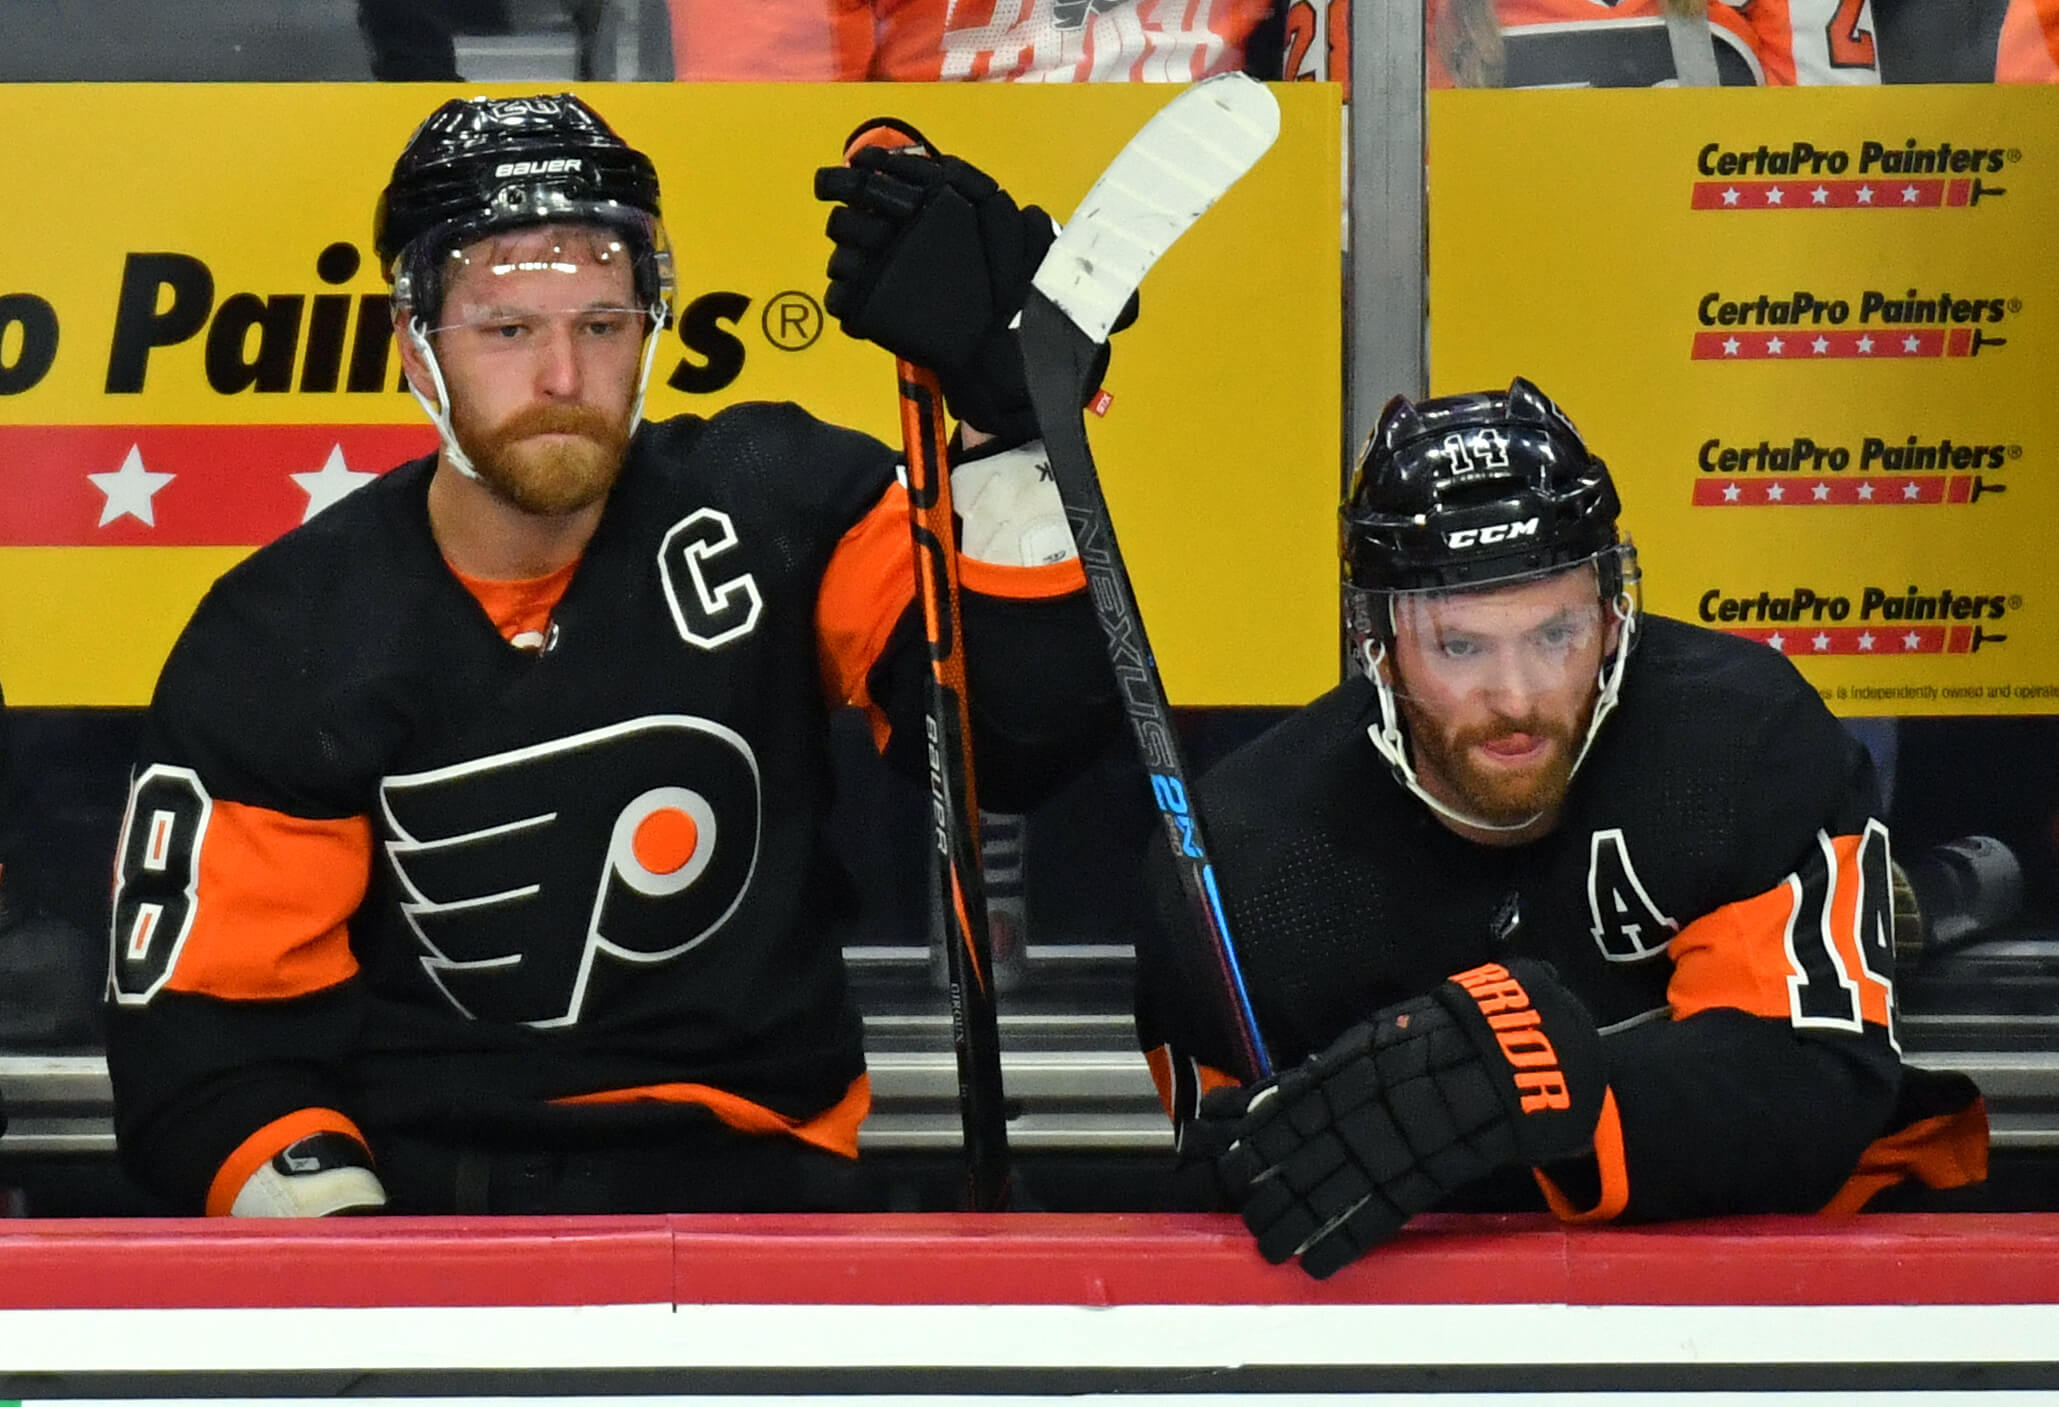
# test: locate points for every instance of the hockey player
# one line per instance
(1036, 41)
(475, 860)
(1642, 43)
(1555, 885)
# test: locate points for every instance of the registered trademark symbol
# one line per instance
(2015, 305)
(2016, 451)
(791, 320)
(2015, 603)
(2016, 153)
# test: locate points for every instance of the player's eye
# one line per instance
(1459, 647)
(608, 326)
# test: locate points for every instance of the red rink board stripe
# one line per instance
(229, 485)
(1021, 1259)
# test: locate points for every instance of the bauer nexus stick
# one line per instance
(1178, 165)
(957, 894)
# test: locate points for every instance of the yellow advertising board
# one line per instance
(1812, 332)
(193, 357)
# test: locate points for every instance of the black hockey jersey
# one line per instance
(383, 871)
(1716, 892)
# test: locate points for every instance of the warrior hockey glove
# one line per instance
(324, 1174)
(1496, 1067)
(932, 262)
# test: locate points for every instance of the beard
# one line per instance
(1501, 796)
(548, 479)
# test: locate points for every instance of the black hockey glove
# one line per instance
(932, 262)
(1496, 1067)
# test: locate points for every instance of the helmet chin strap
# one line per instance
(1392, 744)
(438, 410)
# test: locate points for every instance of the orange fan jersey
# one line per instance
(2029, 51)
(1053, 41)
(1592, 43)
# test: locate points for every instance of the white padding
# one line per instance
(270, 1192)
(1009, 511)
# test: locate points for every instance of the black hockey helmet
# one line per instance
(1462, 491)
(477, 165)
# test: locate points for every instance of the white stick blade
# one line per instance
(1179, 163)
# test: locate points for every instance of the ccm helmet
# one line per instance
(1474, 492)
(477, 166)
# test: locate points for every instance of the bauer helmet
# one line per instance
(1474, 493)
(477, 167)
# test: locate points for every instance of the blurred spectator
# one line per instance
(409, 41)
(2029, 47)
(1168, 41)
(1644, 43)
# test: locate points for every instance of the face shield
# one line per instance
(1490, 696)
(602, 290)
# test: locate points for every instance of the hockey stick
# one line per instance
(1178, 165)
(957, 893)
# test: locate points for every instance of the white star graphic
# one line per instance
(1820, 195)
(1773, 194)
(1912, 641)
(1774, 346)
(1822, 493)
(1866, 492)
(1909, 194)
(1821, 642)
(1866, 346)
(331, 484)
(1777, 641)
(1730, 493)
(1911, 492)
(1911, 343)
(129, 490)
(1865, 194)
(1774, 493)
(1730, 196)
(1730, 346)
(1820, 346)
(1866, 641)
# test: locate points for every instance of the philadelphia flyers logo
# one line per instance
(534, 876)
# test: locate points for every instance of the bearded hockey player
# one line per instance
(476, 858)
(1554, 885)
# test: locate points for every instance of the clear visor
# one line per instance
(1514, 644)
(548, 268)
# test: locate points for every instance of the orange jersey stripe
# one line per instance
(1039, 583)
(869, 582)
(835, 1128)
(261, 1147)
(924, 41)
(1756, 955)
(273, 898)
(1948, 1150)
(1615, 1172)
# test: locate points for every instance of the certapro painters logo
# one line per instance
(1876, 325)
(1800, 620)
(1909, 175)
(1875, 471)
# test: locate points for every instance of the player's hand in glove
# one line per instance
(1496, 1067)
(324, 1174)
(932, 262)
